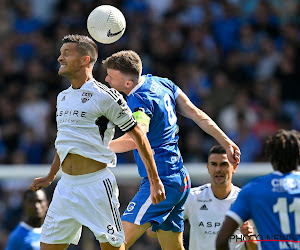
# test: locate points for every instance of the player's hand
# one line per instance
(247, 229)
(40, 182)
(233, 154)
(157, 192)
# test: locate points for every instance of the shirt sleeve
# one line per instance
(119, 113)
(139, 101)
(176, 90)
(12, 243)
(240, 211)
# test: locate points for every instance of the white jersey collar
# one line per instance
(292, 172)
(85, 84)
(138, 85)
(228, 197)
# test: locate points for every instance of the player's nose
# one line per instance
(59, 59)
(218, 168)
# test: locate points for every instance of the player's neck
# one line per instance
(36, 222)
(79, 79)
(131, 87)
(220, 191)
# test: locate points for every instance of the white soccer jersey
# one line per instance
(86, 120)
(206, 214)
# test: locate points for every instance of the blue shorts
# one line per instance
(166, 215)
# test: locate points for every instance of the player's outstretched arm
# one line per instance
(189, 110)
(42, 182)
(125, 143)
(122, 144)
(143, 146)
(227, 229)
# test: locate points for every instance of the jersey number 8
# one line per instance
(169, 108)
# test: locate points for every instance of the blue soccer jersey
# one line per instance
(156, 97)
(273, 202)
(24, 237)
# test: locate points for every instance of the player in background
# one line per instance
(207, 205)
(87, 193)
(28, 232)
(152, 101)
(273, 200)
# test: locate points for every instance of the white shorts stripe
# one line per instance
(116, 215)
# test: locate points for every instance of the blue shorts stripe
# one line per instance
(142, 211)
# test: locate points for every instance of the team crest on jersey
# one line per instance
(155, 88)
(130, 206)
(86, 96)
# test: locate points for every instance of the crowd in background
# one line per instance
(236, 60)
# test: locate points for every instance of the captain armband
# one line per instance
(140, 116)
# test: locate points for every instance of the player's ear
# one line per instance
(86, 60)
(129, 83)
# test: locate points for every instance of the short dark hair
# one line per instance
(283, 150)
(127, 62)
(85, 45)
(218, 149)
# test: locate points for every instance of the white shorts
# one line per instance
(90, 200)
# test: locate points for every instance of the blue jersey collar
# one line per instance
(138, 85)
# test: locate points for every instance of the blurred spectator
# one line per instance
(32, 146)
(26, 23)
(44, 10)
(289, 77)
(248, 46)
(34, 112)
(228, 117)
(221, 94)
(266, 124)
(226, 28)
(233, 67)
(200, 47)
(248, 142)
(159, 8)
(264, 20)
(6, 19)
(269, 59)
(28, 232)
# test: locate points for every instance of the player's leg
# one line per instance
(167, 215)
(133, 232)
(108, 246)
(169, 240)
(98, 204)
(45, 246)
(60, 229)
(170, 232)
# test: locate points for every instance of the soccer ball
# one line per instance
(106, 24)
